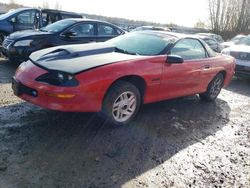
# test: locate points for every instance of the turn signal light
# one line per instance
(60, 95)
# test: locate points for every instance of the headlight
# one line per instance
(23, 43)
(58, 79)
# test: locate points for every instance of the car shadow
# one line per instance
(238, 85)
(55, 149)
(7, 70)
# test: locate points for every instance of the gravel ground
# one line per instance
(175, 143)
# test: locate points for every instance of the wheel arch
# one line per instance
(136, 80)
(223, 72)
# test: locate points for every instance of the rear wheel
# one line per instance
(213, 89)
(122, 103)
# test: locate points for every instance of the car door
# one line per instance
(106, 32)
(80, 33)
(26, 20)
(184, 78)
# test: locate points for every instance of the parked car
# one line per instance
(19, 45)
(218, 38)
(154, 28)
(118, 76)
(214, 45)
(233, 41)
(241, 52)
(30, 18)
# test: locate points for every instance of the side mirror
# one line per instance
(69, 34)
(174, 59)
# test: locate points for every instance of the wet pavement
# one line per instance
(176, 143)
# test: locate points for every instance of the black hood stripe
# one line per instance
(75, 59)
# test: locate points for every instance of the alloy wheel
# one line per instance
(124, 106)
(216, 87)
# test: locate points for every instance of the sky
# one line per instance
(181, 12)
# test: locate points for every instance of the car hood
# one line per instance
(74, 59)
(27, 33)
(239, 48)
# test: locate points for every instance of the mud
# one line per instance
(176, 143)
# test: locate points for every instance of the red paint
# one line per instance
(163, 81)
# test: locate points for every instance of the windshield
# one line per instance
(58, 26)
(142, 43)
(237, 39)
(245, 41)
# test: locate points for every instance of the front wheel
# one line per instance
(122, 103)
(213, 89)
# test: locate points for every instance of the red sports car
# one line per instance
(118, 76)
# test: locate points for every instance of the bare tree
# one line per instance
(200, 25)
(58, 6)
(12, 4)
(45, 4)
(229, 17)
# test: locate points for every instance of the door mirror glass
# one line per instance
(174, 59)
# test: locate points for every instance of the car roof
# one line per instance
(45, 10)
(150, 26)
(90, 20)
(174, 34)
(59, 11)
(16, 10)
(204, 37)
(206, 34)
(25, 8)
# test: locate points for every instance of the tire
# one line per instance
(213, 89)
(122, 103)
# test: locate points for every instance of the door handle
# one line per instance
(206, 67)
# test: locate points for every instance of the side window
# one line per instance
(83, 30)
(45, 18)
(26, 17)
(105, 30)
(211, 42)
(52, 17)
(189, 49)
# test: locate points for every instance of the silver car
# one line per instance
(241, 52)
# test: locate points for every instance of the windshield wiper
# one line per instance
(124, 51)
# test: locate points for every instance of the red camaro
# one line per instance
(118, 76)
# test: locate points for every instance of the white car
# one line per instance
(233, 41)
(241, 53)
(216, 37)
